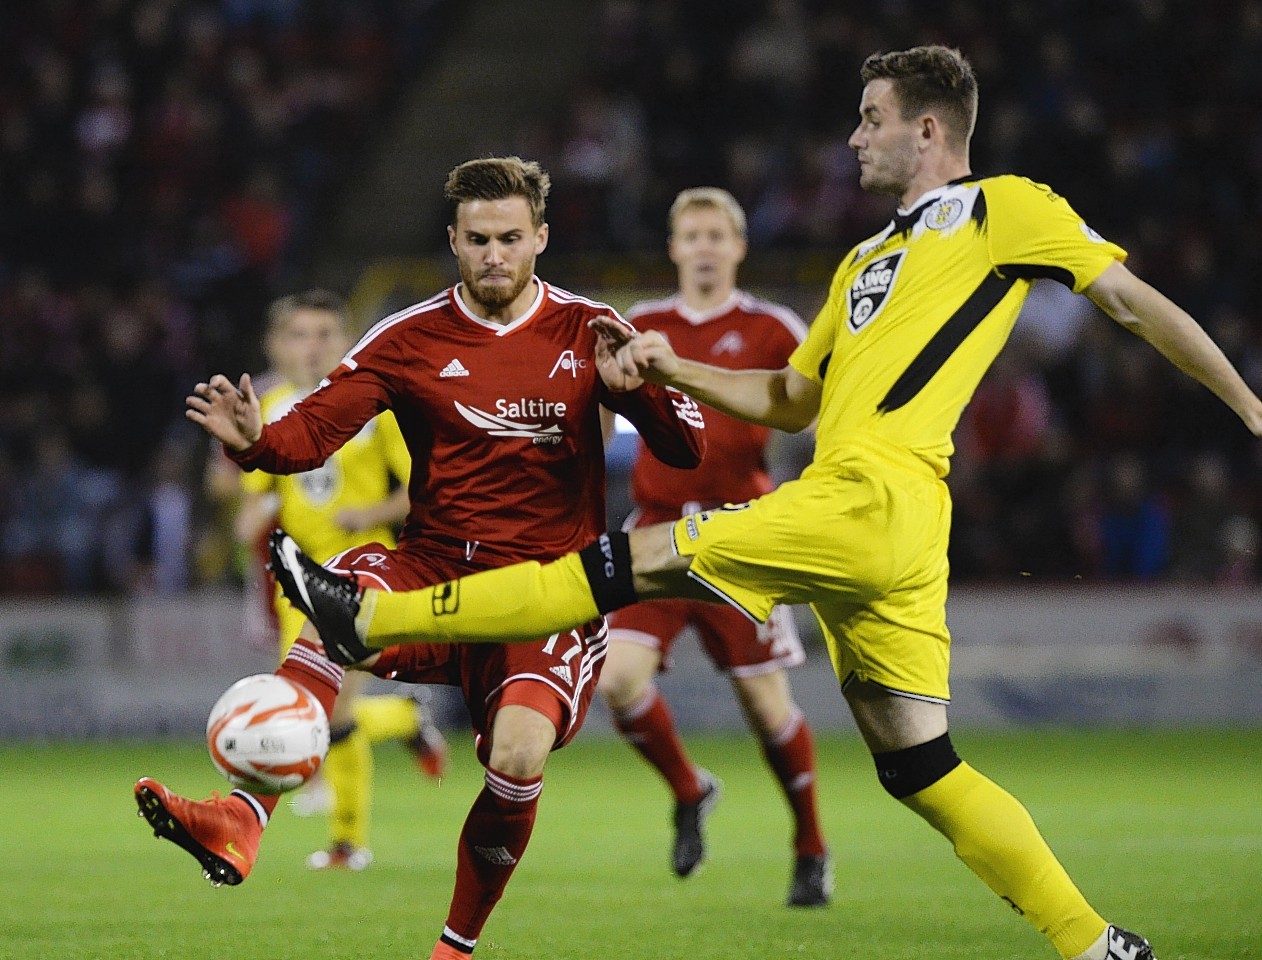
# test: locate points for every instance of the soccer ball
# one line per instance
(267, 735)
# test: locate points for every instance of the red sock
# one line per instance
(791, 756)
(649, 726)
(492, 842)
(305, 663)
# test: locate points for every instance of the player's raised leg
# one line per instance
(511, 604)
(223, 833)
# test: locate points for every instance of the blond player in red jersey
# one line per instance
(499, 387)
(710, 318)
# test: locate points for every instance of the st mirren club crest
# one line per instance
(871, 289)
(944, 214)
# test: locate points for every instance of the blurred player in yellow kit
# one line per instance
(359, 495)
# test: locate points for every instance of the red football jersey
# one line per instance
(742, 333)
(502, 422)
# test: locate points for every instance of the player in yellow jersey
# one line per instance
(346, 502)
(915, 316)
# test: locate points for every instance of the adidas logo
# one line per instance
(496, 855)
(454, 369)
(563, 672)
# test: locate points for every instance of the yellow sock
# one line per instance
(520, 602)
(386, 717)
(996, 838)
(348, 769)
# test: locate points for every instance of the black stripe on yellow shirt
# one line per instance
(950, 335)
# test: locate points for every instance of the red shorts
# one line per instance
(561, 671)
(735, 644)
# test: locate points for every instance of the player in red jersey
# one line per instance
(711, 319)
(498, 386)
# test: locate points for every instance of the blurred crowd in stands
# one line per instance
(162, 162)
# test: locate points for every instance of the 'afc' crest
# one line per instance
(567, 362)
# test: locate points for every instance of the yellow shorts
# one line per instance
(865, 544)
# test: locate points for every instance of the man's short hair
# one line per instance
(930, 79)
(313, 299)
(714, 198)
(498, 178)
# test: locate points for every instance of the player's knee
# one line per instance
(905, 772)
(521, 740)
(522, 757)
(627, 674)
(767, 704)
(622, 688)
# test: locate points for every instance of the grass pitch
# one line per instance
(1162, 830)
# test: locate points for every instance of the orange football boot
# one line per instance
(222, 833)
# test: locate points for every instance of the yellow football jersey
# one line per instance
(357, 475)
(916, 314)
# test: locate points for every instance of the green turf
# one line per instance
(1163, 831)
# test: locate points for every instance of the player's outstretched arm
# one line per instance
(1146, 311)
(229, 413)
(783, 399)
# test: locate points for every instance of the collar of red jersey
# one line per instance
(698, 317)
(501, 329)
